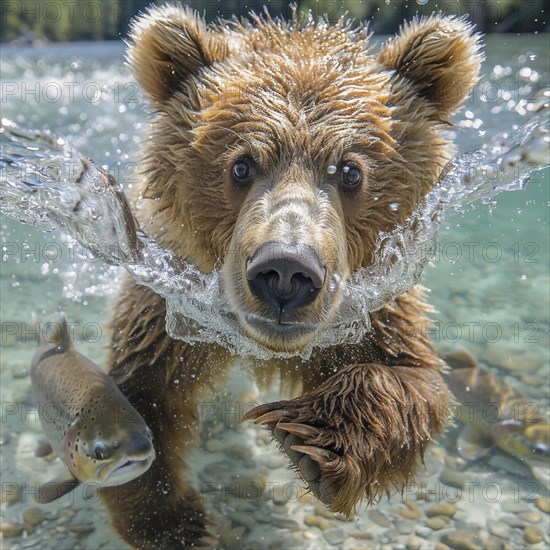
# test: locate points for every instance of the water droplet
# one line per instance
(394, 206)
(94, 214)
(331, 169)
(421, 2)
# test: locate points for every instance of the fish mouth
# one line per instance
(122, 472)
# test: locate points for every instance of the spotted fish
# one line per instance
(494, 414)
(86, 418)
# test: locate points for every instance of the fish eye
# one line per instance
(100, 451)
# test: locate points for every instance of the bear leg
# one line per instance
(157, 511)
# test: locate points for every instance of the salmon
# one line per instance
(88, 421)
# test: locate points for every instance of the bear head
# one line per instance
(281, 149)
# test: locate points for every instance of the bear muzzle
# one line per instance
(285, 276)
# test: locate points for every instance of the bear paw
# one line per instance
(305, 444)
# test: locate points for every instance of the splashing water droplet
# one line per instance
(35, 191)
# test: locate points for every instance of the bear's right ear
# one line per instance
(168, 45)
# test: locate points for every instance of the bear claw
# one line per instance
(292, 436)
(268, 417)
(301, 430)
(323, 456)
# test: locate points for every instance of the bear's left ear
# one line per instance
(168, 45)
(439, 56)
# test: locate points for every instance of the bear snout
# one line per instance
(285, 276)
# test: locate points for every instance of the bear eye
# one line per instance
(350, 177)
(243, 170)
(100, 451)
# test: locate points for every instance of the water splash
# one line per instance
(46, 183)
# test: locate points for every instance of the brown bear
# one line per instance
(276, 152)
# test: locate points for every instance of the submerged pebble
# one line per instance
(283, 522)
(242, 519)
(410, 511)
(441, 509)
(404, 527)
(335, 535)
(530, 517)
(498, 528)
(81, 528)
(532, 535)
(513, 521)
(34, 516)
(438, 522)
(453, 477)
(11, 492)
(462, 540)
(510, 359)
(9, 530)
(363, 535)
(543, 504)
(423, 531)
(515, 507)
(414, 543)
(496, 543)
(315, 521)
(320, 510)
(379, 518)
(20, 370)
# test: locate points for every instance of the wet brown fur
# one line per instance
(297, 97)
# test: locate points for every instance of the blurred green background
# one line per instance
(28, 21)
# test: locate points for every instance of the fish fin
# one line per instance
(55, 489)
(44, 449)
(460, 358)
(65, 335)
(473, 444)
(465, 369)
(60, 337)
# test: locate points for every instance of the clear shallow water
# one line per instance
(489, 278)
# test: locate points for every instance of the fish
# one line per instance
(494, 415)
(88, 421)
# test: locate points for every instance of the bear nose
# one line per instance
(286, 276)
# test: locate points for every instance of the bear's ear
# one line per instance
(168, 45)
(439, 56)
